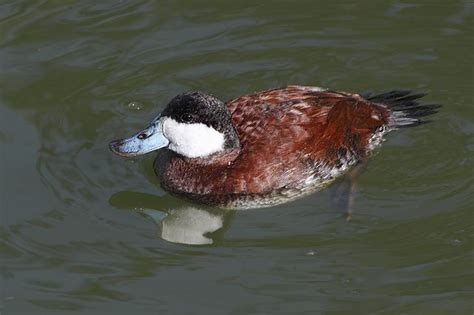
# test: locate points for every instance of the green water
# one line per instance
(83, 231)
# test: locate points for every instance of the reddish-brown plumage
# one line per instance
(289, 137)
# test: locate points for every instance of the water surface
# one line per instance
(85, 231)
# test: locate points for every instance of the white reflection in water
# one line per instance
(177, 221)
(188, 225)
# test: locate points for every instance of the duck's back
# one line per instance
(304, 126)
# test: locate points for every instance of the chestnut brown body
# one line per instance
(293, 140)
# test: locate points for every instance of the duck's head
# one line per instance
(193, 125)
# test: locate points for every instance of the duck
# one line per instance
(269, 147)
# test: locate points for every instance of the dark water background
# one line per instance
(85, 231)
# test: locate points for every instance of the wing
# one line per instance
(287, 132)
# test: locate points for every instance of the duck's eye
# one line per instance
(186, 117)
(142, 136)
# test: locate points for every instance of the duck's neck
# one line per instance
(231, 136)
(225, 157)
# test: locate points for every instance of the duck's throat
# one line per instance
(225, 157)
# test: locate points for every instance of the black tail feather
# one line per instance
(387, 96)
(405, 107)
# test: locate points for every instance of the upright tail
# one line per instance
(404, 106)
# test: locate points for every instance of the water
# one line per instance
(85, 231)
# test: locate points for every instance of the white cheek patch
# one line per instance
(192, 140)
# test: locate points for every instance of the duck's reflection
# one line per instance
(190, 225)
(178, 222)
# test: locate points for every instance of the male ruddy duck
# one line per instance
(269, 147)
